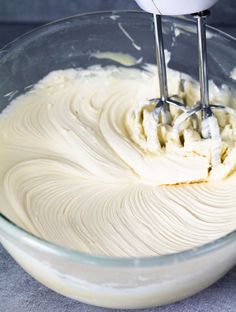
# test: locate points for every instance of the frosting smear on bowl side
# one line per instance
(84, 164)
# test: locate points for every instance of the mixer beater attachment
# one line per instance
(209, 125)
(163, 103)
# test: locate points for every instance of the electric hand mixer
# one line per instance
(209, 124)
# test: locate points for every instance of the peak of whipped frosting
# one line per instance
(183, 156)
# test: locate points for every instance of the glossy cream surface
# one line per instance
(84, 165)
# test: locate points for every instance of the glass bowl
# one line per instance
(101, 280)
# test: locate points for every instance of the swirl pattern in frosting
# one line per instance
(81, 166)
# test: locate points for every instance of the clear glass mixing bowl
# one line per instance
(105, 281)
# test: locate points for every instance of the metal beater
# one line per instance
(209, 124)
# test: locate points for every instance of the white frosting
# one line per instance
(81, 165)
(233, 74)
(120, 58)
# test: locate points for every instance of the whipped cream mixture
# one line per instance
(84, 165)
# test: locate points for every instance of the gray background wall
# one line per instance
(18, 16)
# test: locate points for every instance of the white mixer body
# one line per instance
(175, 7)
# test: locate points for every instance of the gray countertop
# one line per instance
(18, 291)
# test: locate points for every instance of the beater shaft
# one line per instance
(203, 73)
(163, 103)
(160, 57)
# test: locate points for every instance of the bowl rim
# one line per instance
(10, 45)
(43, 245)
(13, 230)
